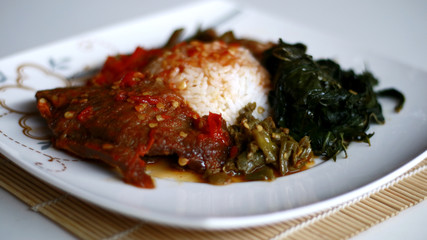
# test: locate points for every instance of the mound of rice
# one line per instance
(215, 77)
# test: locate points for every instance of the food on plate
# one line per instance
(203, 70)
(214, 77)
(317, 98)
(211, 104)
(132, 119)
(261, 149)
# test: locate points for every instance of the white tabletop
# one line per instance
(395, 29)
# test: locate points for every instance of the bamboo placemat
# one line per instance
(87, 221)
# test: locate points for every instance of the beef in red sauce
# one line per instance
(135, 117)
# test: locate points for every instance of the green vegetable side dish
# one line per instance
(317, 98)
(262, 148)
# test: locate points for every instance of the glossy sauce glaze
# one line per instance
(167, 168)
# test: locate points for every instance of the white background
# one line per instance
(395, 29)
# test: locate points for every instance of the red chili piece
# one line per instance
(85, 114)
(114, 66)
(212, 128)
(233, 152)
(130, 79)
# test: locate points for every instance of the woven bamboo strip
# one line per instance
(348, 220)
(389, 201)
(377, 207)
(338, 223)
(361, 214)
(408, 191)
(259, 233)
(327, 225)
(383, 208)
(407, 200)
(27, 192)
(307, 235)
(415, 188)
(125, 234)
(251, 234)
(398, 197)
(423, 177)
(271, 230)
(72, 224)
(374, 212)
(99, 215)
(154, 233)
(419, 180)
(320, 231)
(280, 227)
(418, 184)
(87, 220)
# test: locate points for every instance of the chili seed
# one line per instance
(175, 104)
(69, 114)
(138, 75)
(159, 118)
(160, 106)
(140, 107)
(182, 85)
(183, 161)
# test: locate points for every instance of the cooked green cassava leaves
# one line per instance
(317, 98)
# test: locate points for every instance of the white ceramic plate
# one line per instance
(396, 147)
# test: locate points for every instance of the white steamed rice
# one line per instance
(215, 77)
